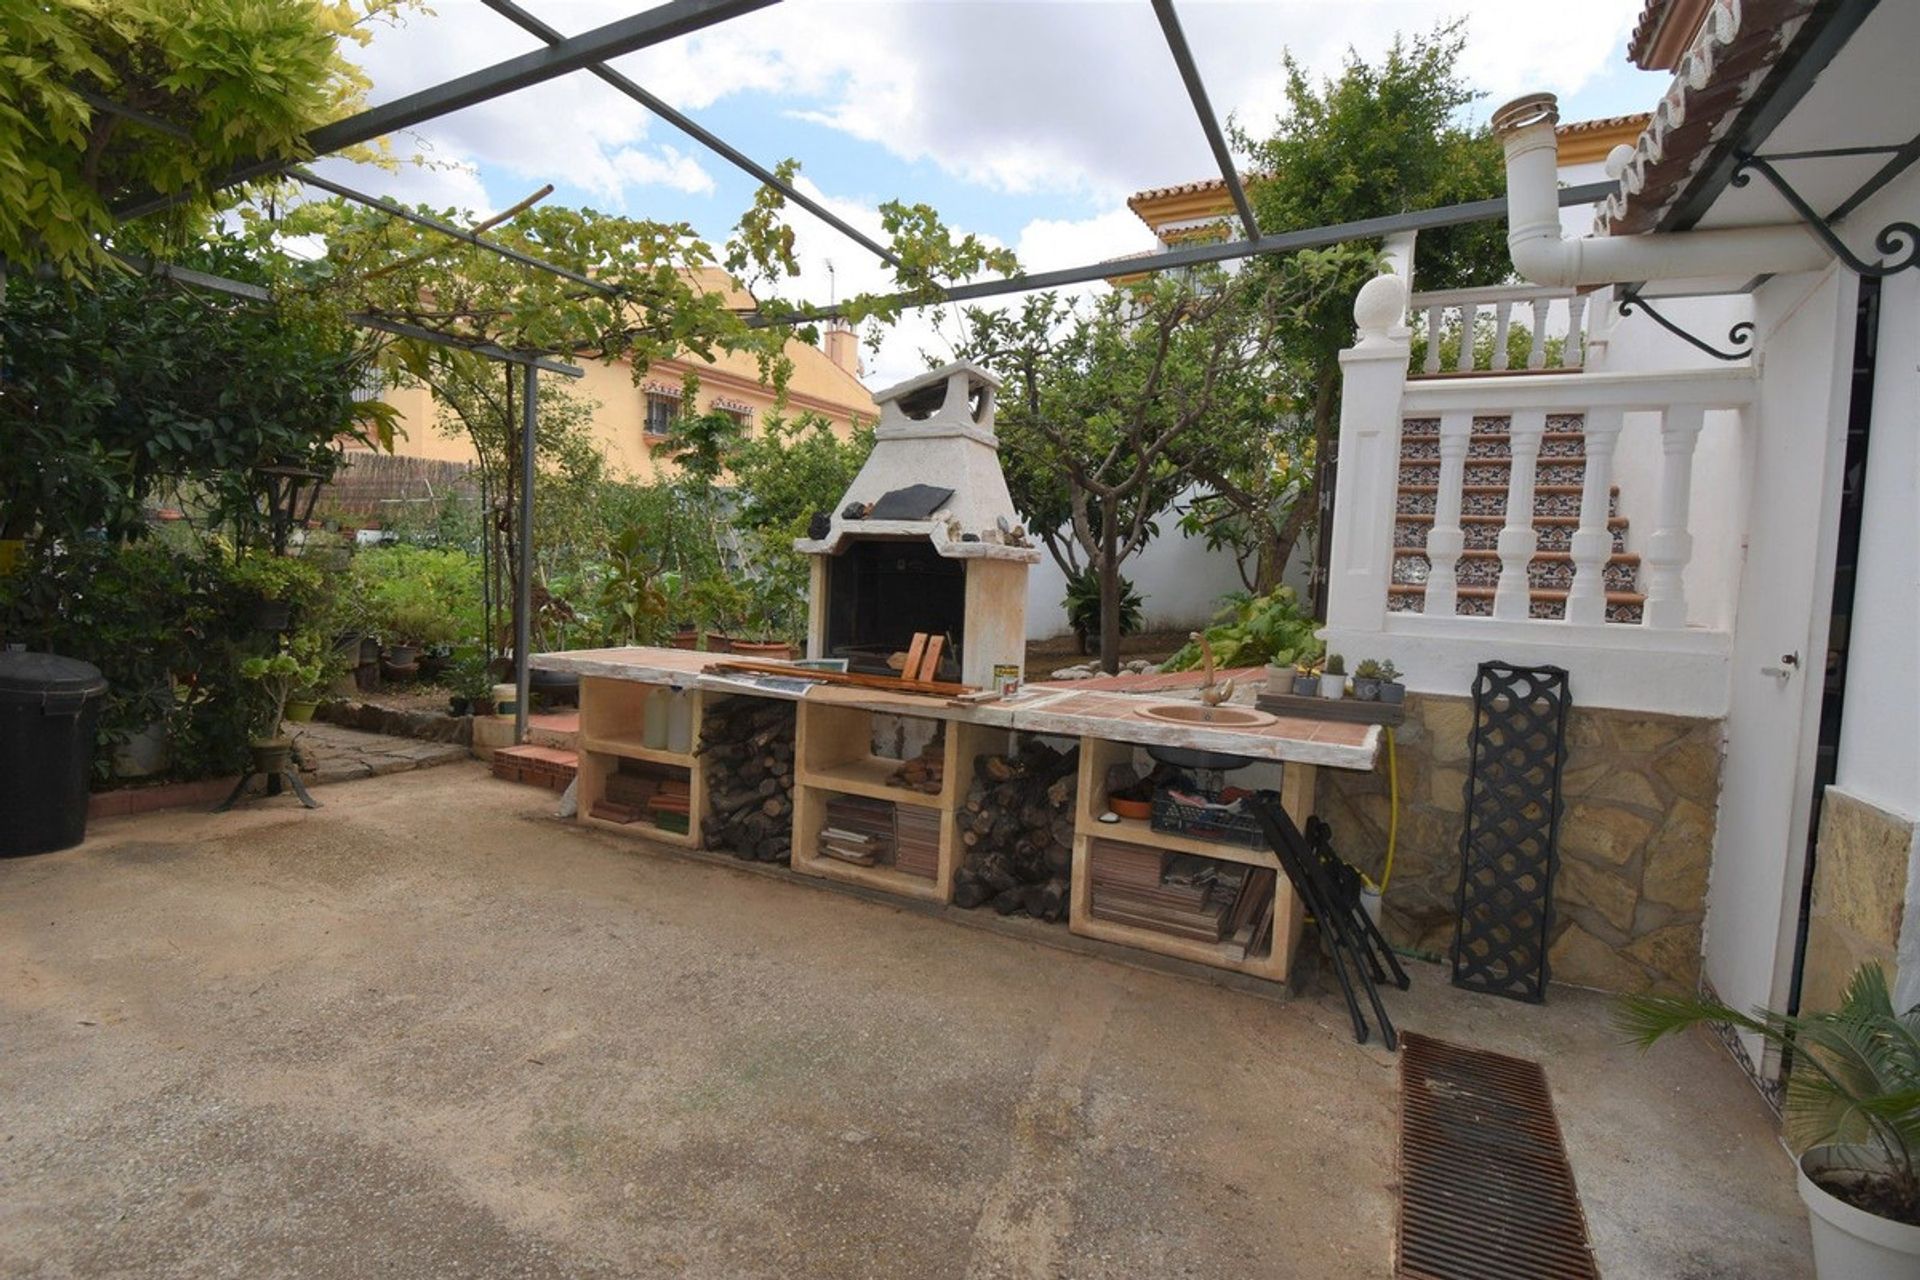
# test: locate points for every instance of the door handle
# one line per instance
(1789, 663)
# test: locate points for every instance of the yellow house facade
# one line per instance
(631, 419)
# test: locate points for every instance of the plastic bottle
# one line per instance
(680, 722)
(653, 720)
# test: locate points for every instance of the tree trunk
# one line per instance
(1109, 587)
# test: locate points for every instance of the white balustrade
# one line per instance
(1445, 539)
(1592, 543)
(1513, 598)
(1671, 546)
(1465, 305)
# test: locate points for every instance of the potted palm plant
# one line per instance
(1852, 1112)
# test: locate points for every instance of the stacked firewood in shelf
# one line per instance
(926, 772)
(748, 747)
(1016, 831)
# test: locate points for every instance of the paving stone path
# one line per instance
(332, 753)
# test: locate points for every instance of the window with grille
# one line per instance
(661, 412)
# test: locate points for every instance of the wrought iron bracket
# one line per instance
(1888, 240)
(1741, 335)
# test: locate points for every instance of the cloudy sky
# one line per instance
(1029, 123)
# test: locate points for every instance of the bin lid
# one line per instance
(33, 674)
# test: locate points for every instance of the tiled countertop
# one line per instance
(1053, 708)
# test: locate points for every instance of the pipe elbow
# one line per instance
(1546, 260)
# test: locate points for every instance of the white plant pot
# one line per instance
(1333, 688)
(1850, 1243)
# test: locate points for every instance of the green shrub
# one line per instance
(1254, 630)
(1082, 604)
(168, 628)
(418, 595)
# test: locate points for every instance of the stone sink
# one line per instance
(1195, 713)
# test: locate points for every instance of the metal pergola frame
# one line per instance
(590, 51)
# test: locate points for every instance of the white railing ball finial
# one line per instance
(1379, 308)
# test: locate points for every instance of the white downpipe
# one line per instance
(1541, 255)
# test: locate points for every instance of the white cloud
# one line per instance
(1076, 99)
(665, 167)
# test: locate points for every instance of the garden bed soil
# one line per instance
(1046, 656)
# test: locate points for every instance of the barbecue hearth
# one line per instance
(925, 539)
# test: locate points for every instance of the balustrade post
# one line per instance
(1592, 544)
(1537, 353)
(1573, 355)
(1431, 364)
(1463, 359)
(1513, 597)
(1671, 546)
(1367, 479)
(1502, 321)
(1445, 540)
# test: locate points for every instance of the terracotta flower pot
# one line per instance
(719, 643)
(763, 648)
(687, 639)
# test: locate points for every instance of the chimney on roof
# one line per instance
(843, 346)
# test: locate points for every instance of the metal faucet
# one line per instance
(1211, 694)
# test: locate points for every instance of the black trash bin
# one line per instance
(48, 708)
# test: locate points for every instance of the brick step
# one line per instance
(1491, 499)
(1547, 570)
(1495, 472)
(1622, 606)
(548, 767)
(1495, 426)
(1485, 444)
(1483, 532)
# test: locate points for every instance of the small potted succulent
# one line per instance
(1333, 678)
(1366, 680)
(1392, 691)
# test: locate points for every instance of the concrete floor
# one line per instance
(429, 1031)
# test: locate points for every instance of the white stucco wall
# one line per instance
(1181, 582)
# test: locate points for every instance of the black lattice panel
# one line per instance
(1509, 850)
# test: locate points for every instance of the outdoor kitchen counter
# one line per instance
(1047, 709)
(832, 756)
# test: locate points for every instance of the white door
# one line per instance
(1780, 636)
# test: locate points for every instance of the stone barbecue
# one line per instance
(925, 539)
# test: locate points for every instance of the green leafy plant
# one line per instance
(271, 577)
(418, 596)
(1082, 603)
(1387, 672)
(720, 603)
(276, 677)
(631, 607)
(1855, 1078)
(1253, 630)
(1369, 669)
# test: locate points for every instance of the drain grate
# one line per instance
(1485, 1189)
